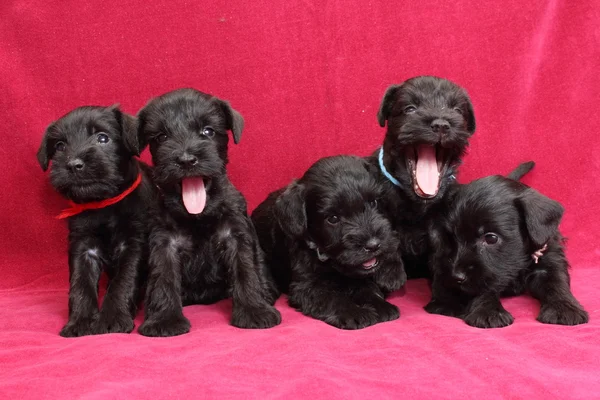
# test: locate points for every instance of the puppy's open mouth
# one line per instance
(193, 193)
(370, 264)
(427, 165)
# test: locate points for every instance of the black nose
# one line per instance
(75, 165)
(459, 277)
(440, 125)
(187, 160)
(372, 245)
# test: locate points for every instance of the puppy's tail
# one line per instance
(521, 170)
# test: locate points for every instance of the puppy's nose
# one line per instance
(75, 165)
(187, 160)
(440, 125)
(372, 245)
(459, 277)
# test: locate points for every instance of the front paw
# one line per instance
(354, 318)
(438, 307)
(255, 318)
(489, 318)
(563, 314)
(386, 311)
(114, 324)
(79, 327)
(165, 327)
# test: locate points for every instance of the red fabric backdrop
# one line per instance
(308, 77)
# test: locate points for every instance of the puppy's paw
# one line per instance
(114, 324)
(563, 314)
(173, 326)
(255, 318)
(80, 327)
(489, 318)
(354, 318)
(386, 311)
(438, 307)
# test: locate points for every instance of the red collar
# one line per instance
(94, 205)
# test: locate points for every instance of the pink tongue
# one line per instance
(194, 195)
(370, 263)
(428, 177)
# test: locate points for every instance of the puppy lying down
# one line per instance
(500, 238)
(330, 246)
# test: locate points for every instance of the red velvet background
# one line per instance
(308, 77)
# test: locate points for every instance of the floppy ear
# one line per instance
(235, 121)
(129, 132)
(470, 117)
(542, 215)
(386, 104)
(43, 154)
(290, 210)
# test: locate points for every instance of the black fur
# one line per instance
(483, 250)
(200, 258)
(92, 149)
(319, 231)
(413, 112)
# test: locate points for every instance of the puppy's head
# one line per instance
(429, 123)
(91, 149)
(334, 208)
(187, 133)
(493, 228)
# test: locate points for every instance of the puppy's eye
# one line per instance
(409, 109)
(60, 146)
(208, 131)
(102, 138)
(333, 219)
(161, 138)
(458, 110)
(490, 238)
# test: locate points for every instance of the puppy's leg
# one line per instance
(85, 267)
(445, 301)
(119, 306)
(332, 302)
(550, 284)
(236, 244)
(164, 310)
(486, 311)
(370, 296)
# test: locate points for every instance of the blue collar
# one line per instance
(385, 171)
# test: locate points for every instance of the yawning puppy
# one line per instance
(203, 247)
(429, 122)
(330, 246)
(501, 238)
(92, 149)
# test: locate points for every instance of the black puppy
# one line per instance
(92, 151)
(330, 246)
(429, 122)
(203, 247)
(501, 238)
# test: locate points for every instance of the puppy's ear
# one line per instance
(129, 129)
(290, 210)
(386, 104)
(235, 121)
(542, 215)
(43, 153)
(470, 116)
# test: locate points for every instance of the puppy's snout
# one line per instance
(459, 277)
(187, 160)
(75, 165)
(372, 244)
(440, 125)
